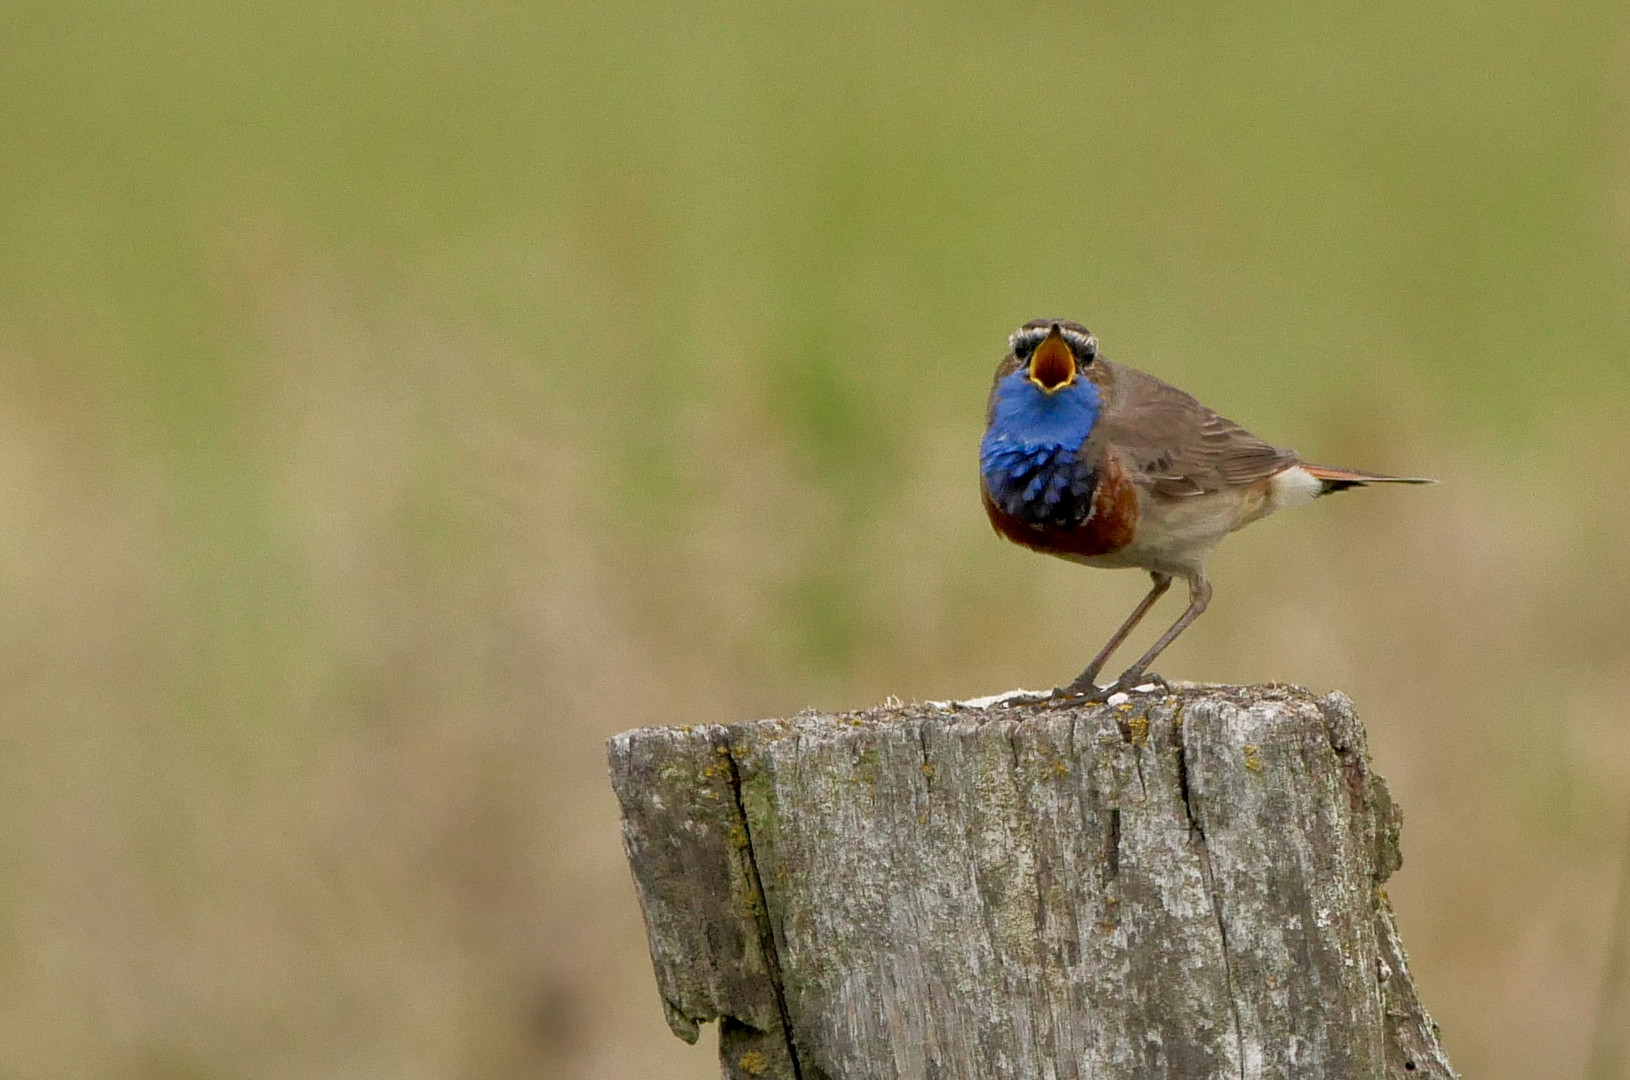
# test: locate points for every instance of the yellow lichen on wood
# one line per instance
(1139, 726)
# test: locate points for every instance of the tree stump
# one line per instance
(1183, 884)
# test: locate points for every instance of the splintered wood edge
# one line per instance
(713, 940)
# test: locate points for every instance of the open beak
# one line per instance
(1052, 365)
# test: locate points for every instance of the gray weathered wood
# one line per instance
(1183, 885)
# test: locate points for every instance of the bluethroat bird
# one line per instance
(1107, 466)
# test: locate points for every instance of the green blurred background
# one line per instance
(397, 400)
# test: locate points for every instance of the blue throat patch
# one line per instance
(1030, 456)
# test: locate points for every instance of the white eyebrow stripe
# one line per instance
(1019, 337)
(1086, 344)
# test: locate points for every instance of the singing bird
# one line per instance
(1105, 465)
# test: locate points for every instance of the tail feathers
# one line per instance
(1341, 479)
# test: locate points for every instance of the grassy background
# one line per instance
(397, 400)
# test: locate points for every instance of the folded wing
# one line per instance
(1177, 446)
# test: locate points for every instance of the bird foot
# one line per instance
(1090, 694)
(1148, 679)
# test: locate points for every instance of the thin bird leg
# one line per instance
(1088, 679)
(1199, 597)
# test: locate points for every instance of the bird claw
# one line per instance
(1066, 696)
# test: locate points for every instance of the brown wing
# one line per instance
(1174, 444)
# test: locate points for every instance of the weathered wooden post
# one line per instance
(1182, 885)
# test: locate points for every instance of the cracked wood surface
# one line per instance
(1187, 885)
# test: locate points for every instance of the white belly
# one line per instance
(1178, 535)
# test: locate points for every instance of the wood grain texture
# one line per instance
(1186, 885)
